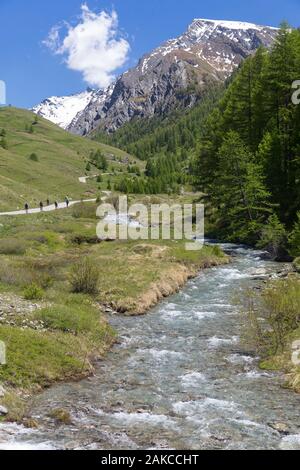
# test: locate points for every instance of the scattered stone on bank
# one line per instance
(11, 304)
(13, 308)
(3, 411)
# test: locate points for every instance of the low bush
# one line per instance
(33, 157)
(279, 307)
(33, 292)
(85, 277)
(80, 239)
(84, 211)
(61, 416)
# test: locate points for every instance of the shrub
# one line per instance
(33, 292)
(61, 416)
(85, 277)
(33, 157)
(84, 211)
(217, 251)
(80, 239)
(274, 238)
(279, 306)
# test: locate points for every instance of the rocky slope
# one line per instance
(173, 75)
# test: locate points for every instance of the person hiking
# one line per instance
(41, 206)
(56, 205)
(26, 207)
(67, 201)
(48, 202)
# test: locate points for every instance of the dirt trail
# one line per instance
(61, 205)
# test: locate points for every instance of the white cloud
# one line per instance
(93, 47)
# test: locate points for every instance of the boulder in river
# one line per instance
(282, 428)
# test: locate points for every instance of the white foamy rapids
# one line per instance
(15, 445)
(291, 442)
(160, 354)
(185, 295)
(10, 439)
(233, 273)
(191, 408)
(255, 374)
(143, 418)
(217, 305)
(173, 313)
(205, 314)
(216, 342)
(127, 341)
(192, 379)
(240, 359)
(172, 306)
(248, 423)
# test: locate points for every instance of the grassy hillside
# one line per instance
(61, 160)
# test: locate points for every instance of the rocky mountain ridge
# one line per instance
(172, 76)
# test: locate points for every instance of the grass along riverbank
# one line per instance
(274, 327)
(56, 284)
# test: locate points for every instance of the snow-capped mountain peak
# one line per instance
(203, 24)
(62, 110)
(172, 76)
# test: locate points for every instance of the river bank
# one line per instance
(274, 326)
(51, 336)
(179, 377)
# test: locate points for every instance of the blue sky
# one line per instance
(32, 72)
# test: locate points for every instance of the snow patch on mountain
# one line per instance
(233, 25)
(62, 110)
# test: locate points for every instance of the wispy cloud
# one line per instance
(93, 47)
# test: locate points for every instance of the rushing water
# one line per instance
(179, 379)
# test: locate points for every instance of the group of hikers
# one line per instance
(48, 203)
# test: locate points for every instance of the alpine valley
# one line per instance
(119, 329)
